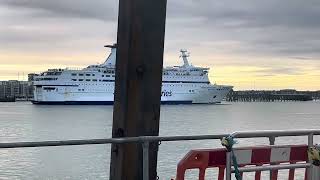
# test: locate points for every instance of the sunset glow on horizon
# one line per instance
(249, 45)
(244, 76)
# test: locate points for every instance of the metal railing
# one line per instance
(146, 140)
(272, 135)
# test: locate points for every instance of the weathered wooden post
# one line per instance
(140, 43)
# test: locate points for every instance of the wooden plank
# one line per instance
(140, 44)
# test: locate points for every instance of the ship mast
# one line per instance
(185, 55)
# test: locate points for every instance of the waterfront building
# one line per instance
(20, 90)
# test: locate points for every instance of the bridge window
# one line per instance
(73, 74)
(80, 79)
(49, 88)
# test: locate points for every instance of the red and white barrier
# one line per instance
(260, 155)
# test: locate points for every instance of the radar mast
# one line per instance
(185, 54)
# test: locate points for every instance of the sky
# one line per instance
(250, 44)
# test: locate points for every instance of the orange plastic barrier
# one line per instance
(262, 155)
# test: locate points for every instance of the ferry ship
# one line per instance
(185, 84)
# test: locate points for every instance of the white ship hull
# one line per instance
(93, 94)
(185, 84)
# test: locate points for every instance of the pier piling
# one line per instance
(140, 44)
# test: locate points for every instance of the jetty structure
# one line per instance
(135, 131)
(272, 95)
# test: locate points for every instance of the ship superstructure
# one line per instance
(94, 84)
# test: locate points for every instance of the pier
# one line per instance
(271, 96)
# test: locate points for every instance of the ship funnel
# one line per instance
(111, 60)
(185, 55)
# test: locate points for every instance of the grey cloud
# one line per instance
(286, 28)
(286, 70)
(252, 13)
(97, 9)
(273, 71)
(265, 28)
(32, 27)
(229, 13)
(303, 58)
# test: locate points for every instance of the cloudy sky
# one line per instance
(250, 44)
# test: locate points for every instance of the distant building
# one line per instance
(16, 89)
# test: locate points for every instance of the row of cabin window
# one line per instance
(52, 89)
(83, 79)
(107, 90)
(179, 74)
(49, 90)
(108, 76)
(177, 85)
(104, 80)
(184, 85)
(113, 81)
(109, 71)
(53, 73)
(74, 74)
(92, 75)
(46, 79)
(91, 84)
(112, 89)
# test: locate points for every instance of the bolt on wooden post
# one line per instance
(140, 45)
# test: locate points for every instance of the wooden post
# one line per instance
(140, 44)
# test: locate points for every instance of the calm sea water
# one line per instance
(22, 121)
